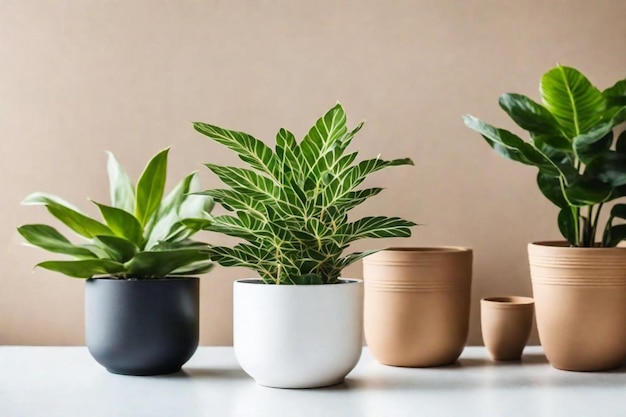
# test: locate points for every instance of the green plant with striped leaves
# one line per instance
(575, 146)
(291, 204)
(143, 234)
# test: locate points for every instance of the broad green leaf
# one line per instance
(550, 187)
(161, 263)
(608, 167)
(50, 239)
(556, 142)
(587, 152)
(118, 248)
(167, 214)
(84, 268)
(616, 94)
(619, 211)
(290, 154)
(233, 200)
(529, 115)
(121, 188)
(574, 102)
(243, 180)
(249, 149)
(568, 225)
(72, 218)
(122, 223)
(587, 192)
(354, 257)
(150, 187)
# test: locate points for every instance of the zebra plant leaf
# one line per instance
(123, 246)
(290, 205)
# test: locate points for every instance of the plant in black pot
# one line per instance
(579, 284)
(141, 301)
(298, 325)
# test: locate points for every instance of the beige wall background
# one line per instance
(84, 76)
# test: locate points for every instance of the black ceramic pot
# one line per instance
(142, 327)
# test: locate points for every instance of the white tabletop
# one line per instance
(66, 381)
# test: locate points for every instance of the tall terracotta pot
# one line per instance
(580, 305)
(417, 304)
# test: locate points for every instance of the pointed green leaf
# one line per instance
(620, 144)
(84, 268)
(122, 223)
(587, 192)
(161, 263)
(50, 239)
(121, 188)
(150, 187)
(72, 218)
(195, 268)
(616, 94)
(321, 139)
(118, 248)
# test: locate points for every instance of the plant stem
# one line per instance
(594, 225)
(576, 225)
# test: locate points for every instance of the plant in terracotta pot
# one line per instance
(579, 285)
(298, 325)
(141, 301)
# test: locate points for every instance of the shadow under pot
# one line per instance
(142, 327)
(297, 336)
(580, 305)
(417, 305)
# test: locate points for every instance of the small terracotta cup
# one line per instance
(506, 324)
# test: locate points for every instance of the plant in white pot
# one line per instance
(579, 285)
(141, 301)
(298, 325)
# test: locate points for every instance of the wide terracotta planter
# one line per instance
(417, 305)
(580, 305)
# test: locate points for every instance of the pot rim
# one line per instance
(507, 301)
(565, 245)
(259, 281)
(169, 279)
(427, 249)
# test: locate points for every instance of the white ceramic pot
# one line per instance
(298, 336)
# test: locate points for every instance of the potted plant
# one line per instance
(141, 303)
(579, 285)
(298, 324)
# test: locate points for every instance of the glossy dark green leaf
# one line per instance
(150, 187)
(550, 187)
(530, 116)
(614, 235)
(84, 268)
(575, 103)
(50, 239)
(66, 213)
(510, 146)
(568, 225)
(122, 223)
(195, 268)
(619, 211)
(556, 142)
(588, 152)
(616, 94)
(608, 167)
(587, 192)
(620, 144)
